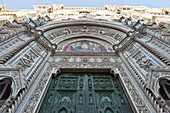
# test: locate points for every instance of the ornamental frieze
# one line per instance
(56, 33)
(32, 103)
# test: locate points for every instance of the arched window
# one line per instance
(5, 89)
(165, 89)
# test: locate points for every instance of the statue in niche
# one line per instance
(64, 59)
(105, 60)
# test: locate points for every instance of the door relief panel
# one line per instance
(85, 93)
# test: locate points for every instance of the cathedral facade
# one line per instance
(84, 65)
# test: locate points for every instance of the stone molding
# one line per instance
(24, 25)
(158, 54)
(152, 29)
(34, 99)
(113, 35)
(15, 72)
(154, 101)
(136, 99)
(108, 24)
(28, 84)
(155, 74)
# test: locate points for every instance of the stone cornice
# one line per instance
(157, 31)
(57, 24)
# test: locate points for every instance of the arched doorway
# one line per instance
(85, 93)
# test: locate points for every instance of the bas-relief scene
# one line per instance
(85, 46)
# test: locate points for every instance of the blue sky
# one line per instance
(27, 4)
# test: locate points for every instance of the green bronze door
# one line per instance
(85, 93)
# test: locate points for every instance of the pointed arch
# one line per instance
(63, 110)
(5, 89)
(108, 110)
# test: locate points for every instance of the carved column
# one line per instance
(137, 100)
(21, 95)
(40, 90)
(155, 103)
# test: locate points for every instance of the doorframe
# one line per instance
(136, 100)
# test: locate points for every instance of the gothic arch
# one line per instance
(5, 88)
(163, 88)
(65, 99)
(108, 110)
(158, 83)
(61, 110)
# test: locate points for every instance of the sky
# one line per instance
(27, 4)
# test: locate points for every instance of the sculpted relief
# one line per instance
(93, 50)
(114, 35)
